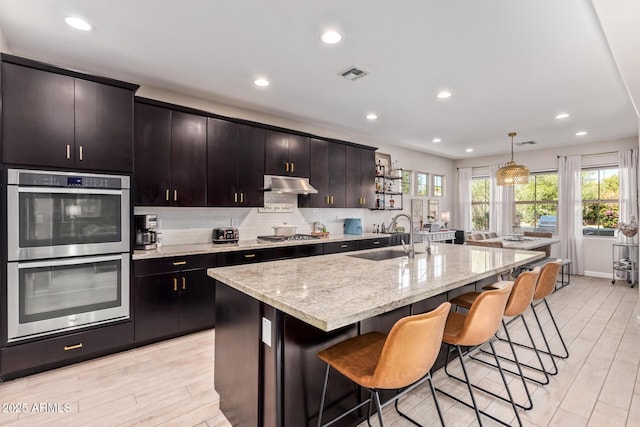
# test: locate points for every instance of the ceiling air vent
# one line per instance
(353, 73)
(526, 143)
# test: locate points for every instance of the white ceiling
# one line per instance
(511, 65)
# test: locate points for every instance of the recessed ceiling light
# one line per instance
(77, 23)
(581, 133)
(469, 150)
(562, 116)
(372, 116)
(331, 37)
(436, 140)
(443, 94)
(261, 82)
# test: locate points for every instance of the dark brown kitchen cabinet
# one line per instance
(173, 296)
(286, 154)
(62, 119)
(40, 355)
(170, 157)
(327, 174)
(235, 173)
(360, 178)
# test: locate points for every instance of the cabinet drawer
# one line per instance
(267, 254)
(48, 353)
(169, 264)
(336, 247)
(375, 243)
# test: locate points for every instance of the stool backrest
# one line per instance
(522, 292)
(547, 279)
(410, 349)
(485, 243)
(484, 316)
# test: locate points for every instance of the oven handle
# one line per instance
(54, 190)
(69, 261)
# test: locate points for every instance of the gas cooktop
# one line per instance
(287, 238)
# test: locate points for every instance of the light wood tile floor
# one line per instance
(171, 383)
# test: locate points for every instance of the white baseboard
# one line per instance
(603, 275)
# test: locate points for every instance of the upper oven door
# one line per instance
(49, 222)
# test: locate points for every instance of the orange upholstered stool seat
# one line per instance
(400, 360)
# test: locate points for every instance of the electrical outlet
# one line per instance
(266, 331)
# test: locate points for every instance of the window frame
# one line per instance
(408, 184)
(588, 230)
(537, 202)
(434, 176)
(417, 183)
(485, 203)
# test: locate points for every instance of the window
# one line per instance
(422, 184)
(537, 203)
(600, 201)
(480, 191)
(438, 186)
(406, 181)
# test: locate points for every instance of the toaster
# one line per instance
(224, 235)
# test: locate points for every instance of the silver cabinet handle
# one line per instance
(175, 195)
(68, 152)
(81, 153)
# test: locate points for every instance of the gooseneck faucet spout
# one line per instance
(411, 250)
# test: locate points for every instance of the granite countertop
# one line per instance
(209, 248)
(336, 290)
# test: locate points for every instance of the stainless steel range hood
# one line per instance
(288, 185)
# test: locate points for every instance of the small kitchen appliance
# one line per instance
(353, 226)
(224, 235)
(146, 235)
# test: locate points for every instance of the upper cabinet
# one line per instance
(170, 157)
(360, 178)
(235, 174)
(327, 174)
(63, 119)
(286, 154)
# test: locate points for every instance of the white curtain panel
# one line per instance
(628, 189)
(570, 211)
(501, 205)
(463, 203)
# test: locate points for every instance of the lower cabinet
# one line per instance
(29, 358)
(173, 296)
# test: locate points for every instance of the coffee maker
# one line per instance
(146, 231)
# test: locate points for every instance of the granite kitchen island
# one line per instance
(273, 317)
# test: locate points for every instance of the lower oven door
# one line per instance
(52, 296)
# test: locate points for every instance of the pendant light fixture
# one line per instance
(511, 174)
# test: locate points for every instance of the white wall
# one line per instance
(4, 47)
(597, 250)
(193, 225)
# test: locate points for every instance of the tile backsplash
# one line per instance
(193, 225)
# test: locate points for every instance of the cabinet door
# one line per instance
(103, 127)
(276, 161)
(338, 174)
(251, 165)
(222, 168)
(197, 300)
(37, 117)
(157, 306)
(298, 155)
(188, 159)
(354, 178)
(368, 175)
(152, 147)
(318, 176)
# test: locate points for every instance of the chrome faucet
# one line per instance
(410, 250)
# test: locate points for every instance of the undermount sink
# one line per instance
(382, 255)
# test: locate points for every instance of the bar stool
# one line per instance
(475, 328)
(400, 360)
(519, 300)
(547, 284)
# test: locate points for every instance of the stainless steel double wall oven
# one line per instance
(68, 251)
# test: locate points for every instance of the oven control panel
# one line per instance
(65, 179)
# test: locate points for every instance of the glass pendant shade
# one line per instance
(511, 173)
